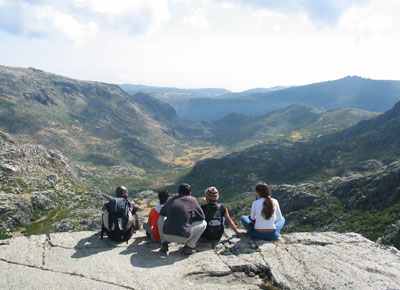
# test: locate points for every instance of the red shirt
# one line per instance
(153, 222)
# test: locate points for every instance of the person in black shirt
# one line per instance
(181, 221)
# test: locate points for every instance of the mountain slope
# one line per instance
(92, 121)
(295, 123)
(349, 92)
(330, 155)
(40, 187)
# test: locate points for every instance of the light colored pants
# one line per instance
(198, 228)
(149, 231)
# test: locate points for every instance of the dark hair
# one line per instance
(163, 196)
(121, 191)
(184, 189)
(265, 192)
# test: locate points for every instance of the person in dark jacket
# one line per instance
(215, 227)
(181, 221)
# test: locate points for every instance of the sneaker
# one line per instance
(188, 250)
(164, 248)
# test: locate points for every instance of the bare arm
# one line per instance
(232, 223)
(135, 207)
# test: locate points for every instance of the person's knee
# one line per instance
(244, 219)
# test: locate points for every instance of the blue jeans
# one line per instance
(268, 236)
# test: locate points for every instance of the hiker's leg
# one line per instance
(161, 221)
(246, 222)
(149, 231)
(197, 229)
(268, 236)
(279, 225)
(175, 239)
(147, 228)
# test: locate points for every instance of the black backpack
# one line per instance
(120, 224)
(215, 226)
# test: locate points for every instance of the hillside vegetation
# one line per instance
(294, 123)
(293, 162)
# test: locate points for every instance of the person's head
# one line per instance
(121, 191)
(212, 194)
(163, 196)
(184, 189)
(263, 191)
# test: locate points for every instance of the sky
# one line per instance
(232, 44)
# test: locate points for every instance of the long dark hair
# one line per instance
(265, 192)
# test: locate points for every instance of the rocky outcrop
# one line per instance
(35, 180)
(14, 210)
(296, 261)
(366, 203)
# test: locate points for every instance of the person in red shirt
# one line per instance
(151, 226)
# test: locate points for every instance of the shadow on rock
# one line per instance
(93, 245)
(145, 254)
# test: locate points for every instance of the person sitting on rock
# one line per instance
(265, 221)
(216, 214)
(122, 192)
(151, 226)
(120, 219)
(182, 221)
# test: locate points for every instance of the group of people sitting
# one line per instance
(182, 220)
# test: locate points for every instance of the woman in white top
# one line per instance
(265, 221)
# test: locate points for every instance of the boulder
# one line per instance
(292, 198)
(10, 169)
(14, 210)
(296, 261)
(368, 165)
(42, 202)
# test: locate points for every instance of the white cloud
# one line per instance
(370, 20)
(74, 30)
(82, 17)
(160, 43)
(267, 17)
(129, 11)
(198, 18)
(185, 2)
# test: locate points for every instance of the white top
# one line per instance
(261, 222)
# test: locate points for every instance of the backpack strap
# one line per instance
(213, 211)
(219, 206)
(210, 212)
(102, 227)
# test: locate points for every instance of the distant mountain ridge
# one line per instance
(168, 94)
(348, 92)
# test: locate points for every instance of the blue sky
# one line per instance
(235, 44)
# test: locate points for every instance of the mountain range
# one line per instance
(170, 94)
(349, 92)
